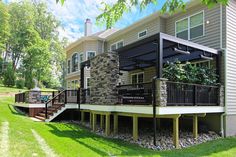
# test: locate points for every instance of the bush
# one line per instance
(9, 76)
(189, 73)
(20, 83)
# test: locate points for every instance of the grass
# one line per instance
(69, 140)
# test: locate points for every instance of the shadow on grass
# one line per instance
(15, 110)
(107, 147)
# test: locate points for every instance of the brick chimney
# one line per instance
(87, 27)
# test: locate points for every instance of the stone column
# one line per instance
(161, 92)
(104, 78)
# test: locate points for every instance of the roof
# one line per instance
(102, 35)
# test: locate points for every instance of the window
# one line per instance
(75, 62)
(68, 66)
(196, 25)
(87, 82)
(137, 78)
(142, 34)
(202, 64)
(182, 29)
(90, 55)
(120, 44)
(117, 45)
(81, 56)
(113, 47)
(190, 27)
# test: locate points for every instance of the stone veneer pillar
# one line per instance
(161, 92)
(104, 75)
(221, 95)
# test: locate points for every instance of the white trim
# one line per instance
(88, 52)
(145, 30)
(189, 27)
(26, 105)
(86, 81)
(202, 61)
(137, 73)
(142, 109)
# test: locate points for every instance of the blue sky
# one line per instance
(74, 12)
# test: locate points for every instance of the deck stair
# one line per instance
(57, 105)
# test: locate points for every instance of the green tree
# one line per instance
(9, 76)
(4, 26)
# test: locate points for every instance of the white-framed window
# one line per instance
(142, 34)
(190, 27)
(68, 66)
(117, 45)
(75, 63)
(137, 78)
(87, 82)
(68, 84)
(205, 63)
(113, 47)
(90, 54)
(81, 57)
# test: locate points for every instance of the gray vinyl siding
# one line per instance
(231, 58)
(152, 27)
(212, 30)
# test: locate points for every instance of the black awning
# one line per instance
(144, 53)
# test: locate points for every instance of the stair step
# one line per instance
(40, 117)
(49, 112)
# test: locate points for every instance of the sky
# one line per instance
(74, 12)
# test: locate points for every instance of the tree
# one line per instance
(4, 26)
(9, 76)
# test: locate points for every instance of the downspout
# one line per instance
(222, 125)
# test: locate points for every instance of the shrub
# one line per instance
(9, 76)
(20, 83)
(189, 73)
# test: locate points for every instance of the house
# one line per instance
(120, 71)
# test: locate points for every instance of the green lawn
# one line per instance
(69, 140)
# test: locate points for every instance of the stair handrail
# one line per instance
(46, 104)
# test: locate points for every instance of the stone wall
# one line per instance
(222, 95)
(104, 78)
(161, 92)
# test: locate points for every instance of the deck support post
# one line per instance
(115, 124)
(82, 116)
(176, 132)
(91, 119)
(102, 121)
(107, 127)
(135, 127)
(94, 121)
(195, 126)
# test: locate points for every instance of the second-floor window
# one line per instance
(90, 55)
(75, 62)
(68, 66)
(190, 27)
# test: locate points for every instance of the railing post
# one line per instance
(65, 96)
(53, 95)
(78, 98)
(46, 110)
(154, 108)
(194, 95)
